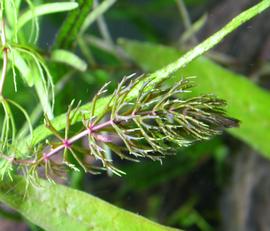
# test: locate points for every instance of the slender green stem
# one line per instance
(185, 16)
(210, 42)
(5, 56)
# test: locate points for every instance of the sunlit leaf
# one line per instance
(64, 56)
(48, 8)
(62, 208)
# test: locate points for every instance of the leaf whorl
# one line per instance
(153, 124)
(158, 120)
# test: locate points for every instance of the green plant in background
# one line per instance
(145, 116)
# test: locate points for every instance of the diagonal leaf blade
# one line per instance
(62, 208)
(44, 9)
(72, 25)
(64, 56)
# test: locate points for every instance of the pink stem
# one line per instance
(76, 138)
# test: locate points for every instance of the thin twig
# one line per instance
(103, 28)
(16, 161)
(102, 44)
(99, 10)
(186, 19)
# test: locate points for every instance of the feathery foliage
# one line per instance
(152, 125)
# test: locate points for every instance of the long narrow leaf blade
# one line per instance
(64, 56)
(72, 25)
(44, 9)
(62, 208)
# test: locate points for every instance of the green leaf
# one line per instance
(98, 11)
(23, 68)
(11, 12)
(40, 76)
(72, 25)
(42, 92)
(69, 58)
(62, 208)
(246, 101)
(48, 8)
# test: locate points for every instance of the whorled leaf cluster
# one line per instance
(150, 125)
(160, 119)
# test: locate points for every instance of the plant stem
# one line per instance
(5, 57)
(15, 161)
(103, 28)
(186, 19)
(210, 42)
(67, 143)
